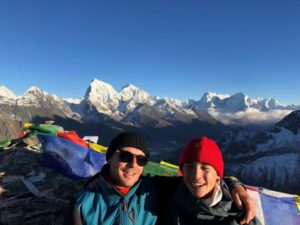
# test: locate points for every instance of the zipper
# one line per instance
(124, 217)
(124, 205)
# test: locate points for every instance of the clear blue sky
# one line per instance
(175, 48)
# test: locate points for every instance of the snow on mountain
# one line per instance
(37, 98)
(237, 103)
(131, 96)
(102, 96)
(33, 96)
(265, 158)
(250, 116)
(248, 143)
(131, 92)
(102, 99)
(4, 92)
(282, 139)
(173, 108)
(234, 103)
(285, 133)
(7, 96)
(269, 104)
(210, 100)
(162, 104)
(73, 100)
(291, 122)
(279, 172)
(241, 109)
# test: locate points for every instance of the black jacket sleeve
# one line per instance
(233, 182)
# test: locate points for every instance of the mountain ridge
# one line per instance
(102, 98)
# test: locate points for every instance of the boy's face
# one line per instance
(125, 174)
(200, 179)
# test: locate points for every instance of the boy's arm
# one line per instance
(240, 197)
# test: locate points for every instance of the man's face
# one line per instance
(125, 174)
(200, 179)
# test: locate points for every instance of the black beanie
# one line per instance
(127, 139)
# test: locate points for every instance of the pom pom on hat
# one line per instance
(203, 150)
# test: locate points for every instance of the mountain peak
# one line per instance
(239, 95)
(131, 91)
(208, 96)
(96, 82)
(5, 92)
(34, 90)
(210, 99)
(98, 88)
(102, 95)
(130, 86)
(291, 122)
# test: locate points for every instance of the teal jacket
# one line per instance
(108, 206)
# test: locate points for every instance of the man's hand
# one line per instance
(241, 198)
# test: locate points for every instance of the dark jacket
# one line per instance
(184, 209)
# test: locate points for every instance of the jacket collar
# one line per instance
(189, 205)
(111, 191)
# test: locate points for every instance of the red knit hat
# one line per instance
(203, 150)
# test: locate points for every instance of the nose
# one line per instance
(132, 163)
(197, 172)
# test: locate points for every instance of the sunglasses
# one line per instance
(125, 156)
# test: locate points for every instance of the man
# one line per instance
(124, 196)
(203, 197)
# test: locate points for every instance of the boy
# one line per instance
(203, 197)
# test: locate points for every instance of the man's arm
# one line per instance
(241, 198)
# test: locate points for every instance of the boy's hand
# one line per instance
(241, 198)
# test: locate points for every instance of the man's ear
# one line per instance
(108, 160)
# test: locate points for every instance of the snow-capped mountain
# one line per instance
(132, 93)
(4, 92)
(73, 100)
(36, 97)
(7, 96)
(265, 158)
(102, 96)
(102, 101)
(238, 109)
(132, 105)
(33, 104)
(290, 122)
(130, 97)
(208, 101)
(237, 102)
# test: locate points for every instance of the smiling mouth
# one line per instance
(128, 173)
(197, 184)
